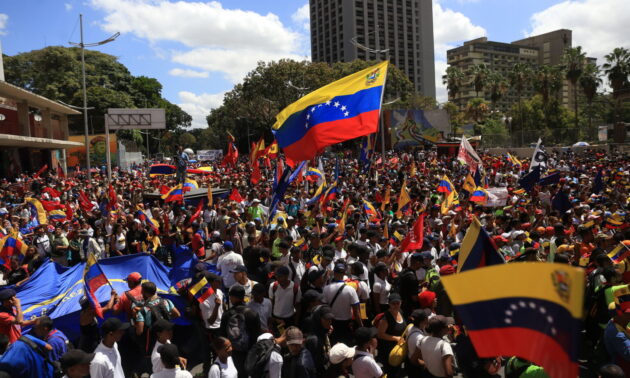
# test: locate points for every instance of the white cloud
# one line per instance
(302, 16)
(199, 106)
(235, 64)
(450, 29)
(188, 73)
(598, 25)
(68, 6)
(4, 19)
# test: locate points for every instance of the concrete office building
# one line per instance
(403, 27)
(497, 56)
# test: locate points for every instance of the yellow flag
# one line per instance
(341, 227)
(449, 201)
(403, 199)
(412, 172)
(387, 199)
(209, 194)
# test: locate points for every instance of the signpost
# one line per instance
(130, 119)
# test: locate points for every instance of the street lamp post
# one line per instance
(82, 44)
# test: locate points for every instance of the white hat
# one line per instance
(255, 200)
(340, 352)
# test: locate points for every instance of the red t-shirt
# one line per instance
(8, 327)
(198, 245)
(125, 303)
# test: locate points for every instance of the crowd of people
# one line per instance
(322, 287)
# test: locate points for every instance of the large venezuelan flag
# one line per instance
(478, 249)
(345, 109)
(529, 310)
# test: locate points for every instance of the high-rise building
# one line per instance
(497, 56)
(398, 30)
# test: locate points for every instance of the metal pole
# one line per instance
(107, 150)
(85, 110)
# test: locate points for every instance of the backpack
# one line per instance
(377, 319)
(158, 311)
(236, 331)
(512, 372)
(258, 357)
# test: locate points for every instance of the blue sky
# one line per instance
(198, 50)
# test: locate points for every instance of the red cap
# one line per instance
(134, 277)
(446, 270)
(426, 299)
(499, 238)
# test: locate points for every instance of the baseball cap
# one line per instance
(313, 275)
(324, 312)
(446, 270)
(169, 354)
(113, 325)
(339, 352)
(7, 294)
(312, 296)
(134, 277)
(426, 298)
(364, 334)
(294, 336)
(426, 255)
(239, 269)
(162, 325)
(419, 315)
(228, 245)
(394, 297)
(339, 268)
(75, 357)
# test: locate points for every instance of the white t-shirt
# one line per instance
(248, 289)
(433, 351)
(382, 288)
(156, 360)
(342, 308)
(106, 362)
(226, 263)
(207, 307)
(414, 337)
(300, 269)
(283, 302)
(221, 370)
(364, 366)
(172, 373)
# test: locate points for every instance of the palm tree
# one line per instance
(617, 69)
(590, 81)
(497, 86)
(478, 73)
(453, 80)
(519, 78)
(547, 81)
(477, 109)
(573, 60)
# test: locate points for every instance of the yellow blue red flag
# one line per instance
(530, 310)
(345, 109)
(478, 249)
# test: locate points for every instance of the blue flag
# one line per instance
(598, 184)
(561, 202)
(528, 181)
(287, 178)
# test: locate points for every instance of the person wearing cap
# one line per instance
(131, 297)
(41, 241)
(89, 245)
(241, 279)
(414, 363)
(223, 366)
(169, 355)
(390, 329)
(76, 363)
(227, 262)
(107, 361)
(60, 247)
(299, 362)
(255, 210)
(344, 302)
(261, 305)
(341, 357)
(250, 230)
(285, 296)
(163, 331)
(437, 353)
(364, 365)
(11, 317)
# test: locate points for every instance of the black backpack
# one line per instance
(236, 330)
(258, 357)
(158, 311)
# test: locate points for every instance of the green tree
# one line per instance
(547, 82)
(617, 70)
(589, 82)
(574, 60)
(187, 140)
(478, 74)
(453, 80)
(520, 79)
(477, 110)
(497, 87)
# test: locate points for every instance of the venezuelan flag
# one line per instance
(531, 310)
(613, 222)
(620, 253)
(201, 170)
(38, 213)
(396, 238)
(445, 186)
(94, 278)
(202, 290)
(345, 109)
(301, 243)
(478, 249)
(272, 150)
(57, 215)
(314, 174)
(331, 193)
(450, 200)
(175, 194)
(479, 195)
(155, 226)
(190, 184)
(11, 245)
(469, 184)
(370, 210)
(161, 170)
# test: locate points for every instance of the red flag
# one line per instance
(51, 205)
(52, 192)
(255, 176)
(415, 237)
(235, 196)
(41, 170)
(198, 210)
(164, 189)
(111, 196)
(84, 202)
(60, 172)
(291, 163)
(69, 212)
